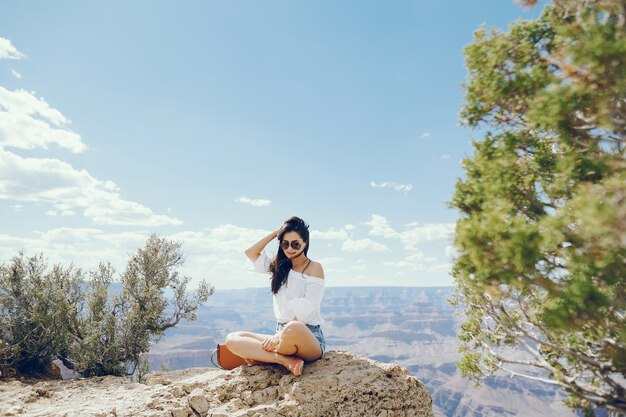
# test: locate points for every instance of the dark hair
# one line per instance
(281, 265)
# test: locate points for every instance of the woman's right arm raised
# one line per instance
(254, 251)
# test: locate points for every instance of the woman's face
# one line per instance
(292, 237)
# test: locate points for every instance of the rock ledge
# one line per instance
(340, 384)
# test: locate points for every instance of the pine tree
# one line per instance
(541, 240)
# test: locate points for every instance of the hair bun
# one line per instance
(296, 221)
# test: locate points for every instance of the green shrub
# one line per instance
(67, 314)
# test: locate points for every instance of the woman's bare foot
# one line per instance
(295, 365)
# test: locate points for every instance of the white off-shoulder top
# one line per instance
(299, 298)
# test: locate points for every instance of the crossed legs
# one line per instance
(295, 339)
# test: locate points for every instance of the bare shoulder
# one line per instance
(315, 270)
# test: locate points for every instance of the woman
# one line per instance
(297, 288)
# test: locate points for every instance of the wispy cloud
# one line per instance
(334, 234)
(414, 233)
(8, 51)
(390, 184)
(222, 239)
(62, 213)
(411, 238)
(217, 253)
(84, 247)
(425, 135)
(51, 181)
(363, 245)
(92, 244)
(429, 265)
(257, 203)
(16, 74)
(417, 261)
(360, 265)
(380, 227)
(331, 261)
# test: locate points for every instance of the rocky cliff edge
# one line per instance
(340, 384)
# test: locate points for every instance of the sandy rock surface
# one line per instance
(340, 384)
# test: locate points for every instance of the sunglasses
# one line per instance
(294, 244)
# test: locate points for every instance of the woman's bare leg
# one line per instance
(248, 345)
(297, 339)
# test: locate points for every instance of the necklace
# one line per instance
(307, 265)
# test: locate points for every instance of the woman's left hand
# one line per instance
(271, 344)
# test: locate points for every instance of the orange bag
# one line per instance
(226, 359)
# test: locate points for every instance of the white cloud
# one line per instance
(418, 262)
(8, 51)
(229, 237)
(411, 238)
(216, 253)
(360, 265)
(57, 183)
(62, 213)
(360, 245)
(16, 74)
(412, 267)
(83, 247)
(222, 239)
(28, 122)
(425, 135)
(331, 260)
(349, 227)
(390, 184)
(380, 227)
(427, 233)
(256, 203)
(331, 233)
(415, 233)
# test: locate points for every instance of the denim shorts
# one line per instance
(315, 329)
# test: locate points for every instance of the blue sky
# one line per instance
(212, 122)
